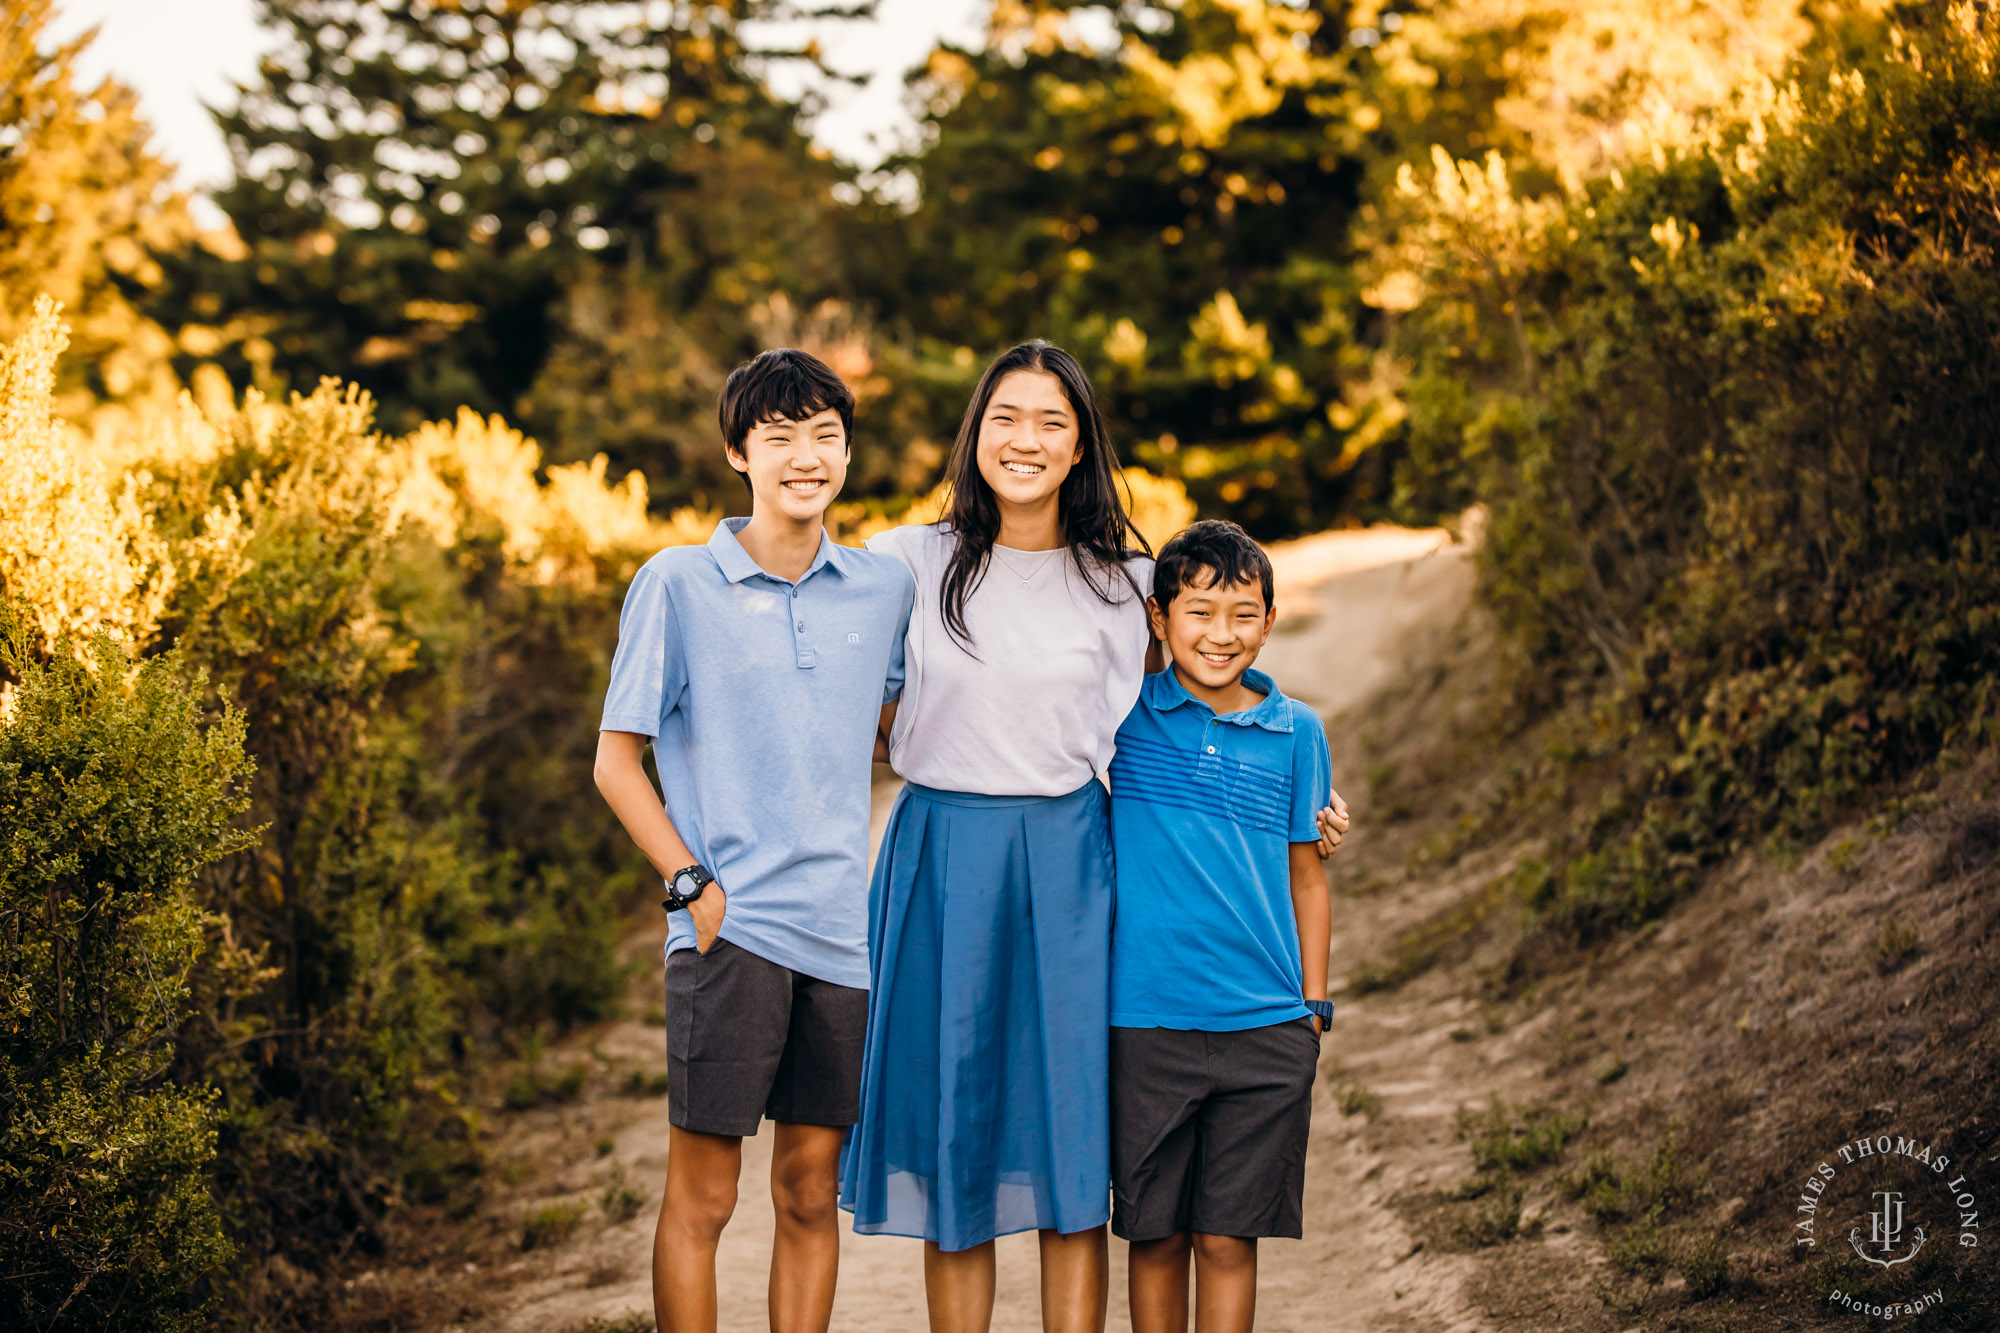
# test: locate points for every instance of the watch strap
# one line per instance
(675, 901)
(1323, 1011)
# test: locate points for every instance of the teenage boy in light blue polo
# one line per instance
(757, 668)
(1219, 943)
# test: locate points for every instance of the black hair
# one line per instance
(781, 384)
(1220, 547)
(1095, 526)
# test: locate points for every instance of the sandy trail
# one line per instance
(1349, 604)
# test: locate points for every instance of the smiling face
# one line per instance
(1213, 631)
(1029, 438)
(795, 467)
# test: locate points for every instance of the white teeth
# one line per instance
(1024, 469)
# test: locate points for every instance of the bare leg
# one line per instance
(805, 1257)
(958, 1287)
(1157, 1280)
(1225, 1284)
(1076, 1281)
(700, 1195)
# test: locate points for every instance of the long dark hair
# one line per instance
(1095, 526)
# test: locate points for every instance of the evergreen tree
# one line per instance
(418, 180)
(1174, 206)
(82, 198)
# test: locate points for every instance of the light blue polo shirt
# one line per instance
(762, 698)
(1204, 810)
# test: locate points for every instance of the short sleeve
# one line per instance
(892, 685)
(1141, 568)
(1312, 773)
(905, 543)
(649, 670)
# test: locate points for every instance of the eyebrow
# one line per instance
(1011, 407)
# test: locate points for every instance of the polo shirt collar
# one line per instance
(1163, 692)
(736, 564)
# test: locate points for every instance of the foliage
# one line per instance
(1517, 1140)
(1172, 206)
(114, 792)
(1732, 408)
(76, 548)
(411, 636)
(83, 201)
(441, 202)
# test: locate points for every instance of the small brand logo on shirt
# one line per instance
(854, 638)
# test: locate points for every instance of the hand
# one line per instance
(706, 914)
(1333, 825)
(1319, 1026)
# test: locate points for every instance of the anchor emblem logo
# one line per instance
(1885, 1231)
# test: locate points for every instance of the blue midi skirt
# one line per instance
(985, 1102)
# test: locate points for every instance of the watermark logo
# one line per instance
(1885, 1231)
(1891, 1198)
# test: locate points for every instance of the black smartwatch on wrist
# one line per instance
(684, 886)
(1323, 1011)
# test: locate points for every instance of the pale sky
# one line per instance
(180, 54)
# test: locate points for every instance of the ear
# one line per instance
(1270, 619)
(737, 458)
(1156, 618)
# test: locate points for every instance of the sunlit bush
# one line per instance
(75, 545)
(411, 636)
(1733, 406)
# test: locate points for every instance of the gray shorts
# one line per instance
(748, 1039)
(1208, 1130)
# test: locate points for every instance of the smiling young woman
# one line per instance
(984, 1085)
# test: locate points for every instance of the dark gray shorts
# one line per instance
(748, 1038)
(1208, 1130)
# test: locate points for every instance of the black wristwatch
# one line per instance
(684, 886)
(1323, 1011)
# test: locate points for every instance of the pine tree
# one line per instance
(417, 181)
(1174, 206)
(82, 200)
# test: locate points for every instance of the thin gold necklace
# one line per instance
(1046, 556)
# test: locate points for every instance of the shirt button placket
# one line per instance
(806, 656)
(1209, 762)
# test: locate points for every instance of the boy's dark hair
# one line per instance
(781, 383)
(1219, 547)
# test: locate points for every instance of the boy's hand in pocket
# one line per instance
(706, 912)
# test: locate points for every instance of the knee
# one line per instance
(1166, 1247)
(699, 1209)
(1224, 1252)
(806, 1201)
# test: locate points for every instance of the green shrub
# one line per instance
(1494, 1219)
(1732, 409)
(114, 792)
(1518, 1140)
(552, 1225)
(1703, 1265)
(621, 1203)
(1611, 1191)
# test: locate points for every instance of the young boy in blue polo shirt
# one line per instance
(757, 668)
(1219, 943)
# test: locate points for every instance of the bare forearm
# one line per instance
(884, 727)
(621, 779)
(1312, 909)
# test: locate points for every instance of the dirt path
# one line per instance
(1350, 603)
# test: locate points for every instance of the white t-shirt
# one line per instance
(1037, 711)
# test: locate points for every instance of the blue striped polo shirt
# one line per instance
(1204, 810)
